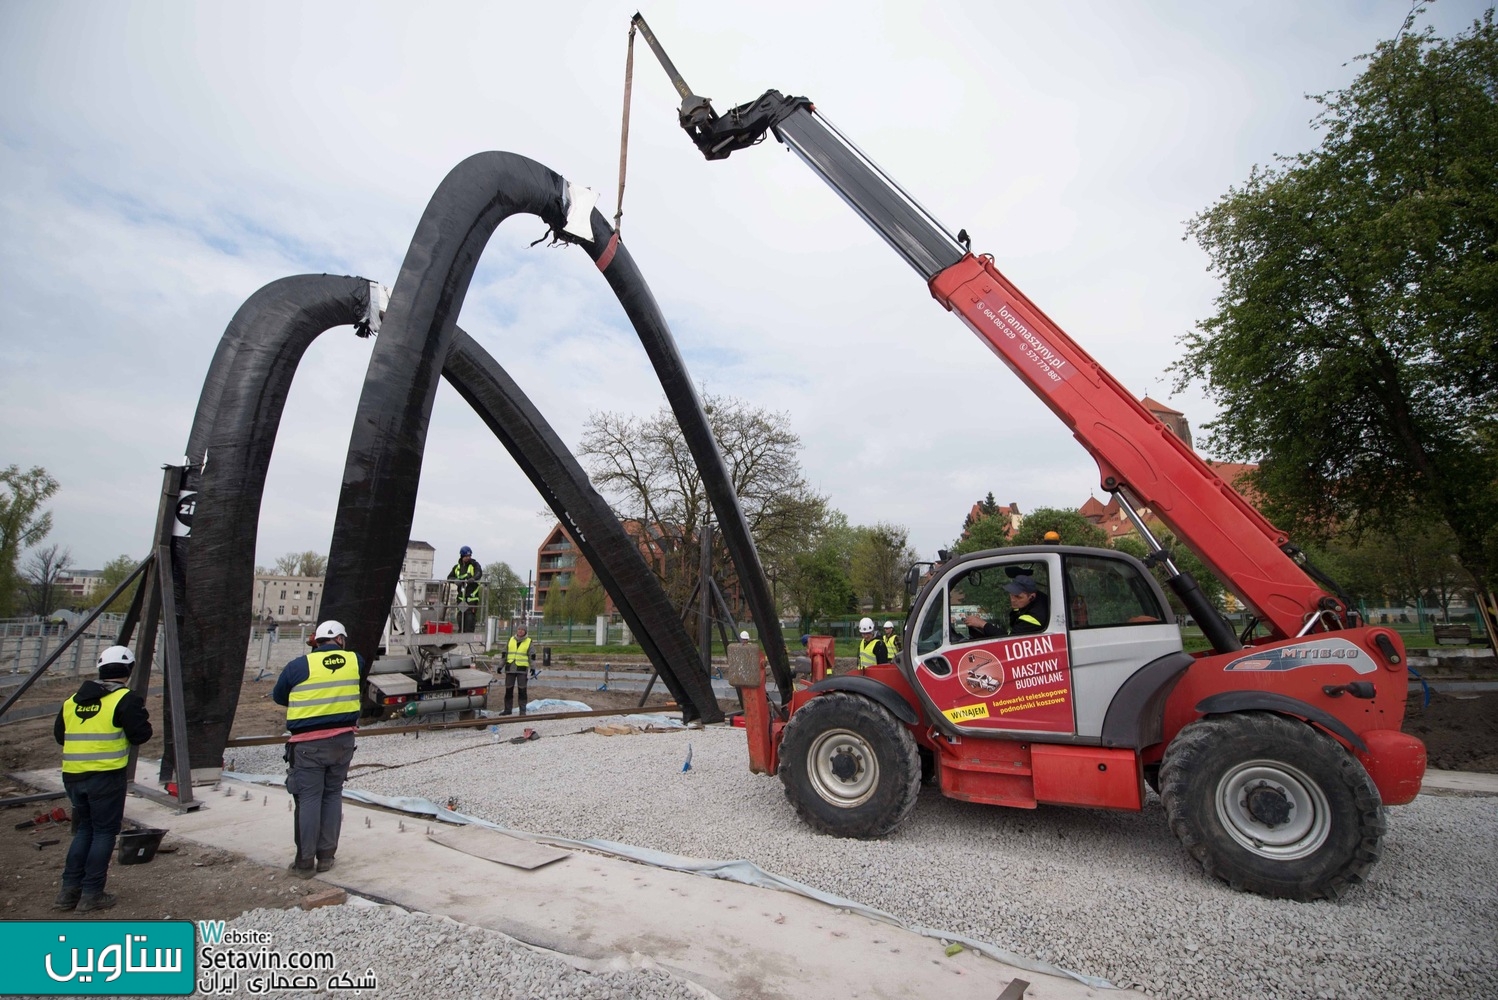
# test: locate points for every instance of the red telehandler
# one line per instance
(1274, 753)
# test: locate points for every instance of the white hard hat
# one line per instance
(866, 625)
(330, 629)
(743, 635)
(117, 654)
(889, 624)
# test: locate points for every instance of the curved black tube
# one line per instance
(561, 481)
(380, 478)
(624, 277)
(238, 413)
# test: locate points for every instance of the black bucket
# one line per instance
(138, 847)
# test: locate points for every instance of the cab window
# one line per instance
(1107, 593)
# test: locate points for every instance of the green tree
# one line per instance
(881, 554)
(1354, 347)
(983, 533)
(1184, 559)
(505, 588)
(817, 585)
(115, 571)
(1073, 528)
(23, 523)
(576, 604)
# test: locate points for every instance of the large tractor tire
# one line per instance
(849, 767)
(1272, 806)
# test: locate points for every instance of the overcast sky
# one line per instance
(159, 162)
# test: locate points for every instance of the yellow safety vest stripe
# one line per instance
(1030, 618)
(866, 655)
(326, 692)
(518, 654)
(93, 743)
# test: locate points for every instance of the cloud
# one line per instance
(162, 162)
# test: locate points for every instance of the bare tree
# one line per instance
(307, 563)
(644, 466)
(43, 567)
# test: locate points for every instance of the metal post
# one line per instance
(705, 599)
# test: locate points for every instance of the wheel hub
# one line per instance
(1268, 804)
(843, 768)
(1273, 809)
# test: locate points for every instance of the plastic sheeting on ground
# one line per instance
(745, 872)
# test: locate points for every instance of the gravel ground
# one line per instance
(1107, 894)
(421, 956)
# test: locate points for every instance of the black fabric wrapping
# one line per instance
(614, 556)
(639, 305)
(380, 478)
(238, 414)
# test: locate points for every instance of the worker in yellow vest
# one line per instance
(517, 668)
(468, 573)
(871, 648)
(891, 640)
(321, 695)
(96, 727)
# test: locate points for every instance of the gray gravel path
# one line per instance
(1107, 894)
(422, 956)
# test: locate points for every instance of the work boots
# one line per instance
(302, 869)
(325, 864)
(67, 897)
(98, 901)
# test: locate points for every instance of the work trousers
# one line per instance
(98, 800)
(467, 617)
(315, 772)
(512, 678)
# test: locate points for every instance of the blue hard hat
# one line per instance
(465, 551)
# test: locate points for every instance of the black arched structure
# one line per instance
(235, 426)
(378, 499)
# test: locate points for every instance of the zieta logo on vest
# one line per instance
(333, 661)
(84, 711)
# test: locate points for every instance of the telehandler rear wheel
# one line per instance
(1271, 805)
(849, 767)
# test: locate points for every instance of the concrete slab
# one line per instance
(739, 942)
(1466, 782)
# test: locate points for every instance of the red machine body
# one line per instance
(1273, 755)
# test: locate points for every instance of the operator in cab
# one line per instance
(1029, 609)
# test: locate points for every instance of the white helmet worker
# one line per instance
(866, 625)
(330, 629)
(116, 655)
(889, 624)
(744, 636)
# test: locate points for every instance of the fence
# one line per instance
(26, 642)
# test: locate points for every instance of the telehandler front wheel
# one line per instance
(1271, 805)
(849, 767)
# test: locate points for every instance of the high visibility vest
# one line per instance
(93, 742)
(468, 590)
(518, 654)
(867, 656)
(326, 691)
(891, 644)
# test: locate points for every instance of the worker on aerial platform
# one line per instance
(468, 573)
